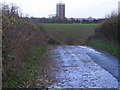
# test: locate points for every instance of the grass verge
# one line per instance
(28, 68)
(111, 48)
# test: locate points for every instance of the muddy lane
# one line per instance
(77, 69)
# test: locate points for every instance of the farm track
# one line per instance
(83, 67)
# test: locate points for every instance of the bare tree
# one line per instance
(5, 9)
(10, 10)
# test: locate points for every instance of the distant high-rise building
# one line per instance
(60, 10)
(119, 8)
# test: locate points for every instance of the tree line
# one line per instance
(65, 20)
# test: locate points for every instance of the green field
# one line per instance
(70, 33)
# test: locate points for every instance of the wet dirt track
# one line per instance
(78, 68)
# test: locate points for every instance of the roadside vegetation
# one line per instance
(106, 36)
(26, 70)
(23, 45)
(111, 48)
(70, 34)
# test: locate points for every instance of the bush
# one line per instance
(19, 37)
(107, 31)
(106, 35)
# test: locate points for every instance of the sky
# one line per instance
(73, 8)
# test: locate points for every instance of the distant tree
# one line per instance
(10, 10)
(14, 10)
(5, 9)
(85, 21)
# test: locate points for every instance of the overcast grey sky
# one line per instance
(73, 8)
